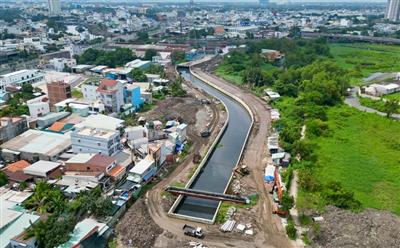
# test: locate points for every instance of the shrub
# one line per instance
(291, 231)
(336, 195)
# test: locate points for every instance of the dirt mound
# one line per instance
(137, 228)
(370, 228)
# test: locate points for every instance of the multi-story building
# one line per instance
(393, 10)
(89, 91)
(96, 140)
(61, 64)
(111, 93)
(38, 106)
(58, 91)
(54, 7)
(19, 78)
(11, 127)
(132, 96)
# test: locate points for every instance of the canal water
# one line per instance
(218, 169)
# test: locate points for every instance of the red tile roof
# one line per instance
(101, 160)
(17, 166)
(57, 126)
(116, 171)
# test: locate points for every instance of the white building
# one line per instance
(95, 140)
(89, 91)
(38, 106)
(20, 77)
(59, 64)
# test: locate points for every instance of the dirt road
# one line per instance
(253, 157)
(270, 233)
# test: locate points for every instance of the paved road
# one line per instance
(353, 101)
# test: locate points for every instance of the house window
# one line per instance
(98, 144)
(87, 168)
(79, 141)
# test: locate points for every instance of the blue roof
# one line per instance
(16, 227)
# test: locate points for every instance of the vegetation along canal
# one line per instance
(216, 172)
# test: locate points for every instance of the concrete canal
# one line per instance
(217, 170)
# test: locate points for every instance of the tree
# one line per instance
(176, 88)
(177, 57)
(391, 106)
(253, 76)
(3, 179)
(53, 231)
(138, 75)
(287, 202)
(295, 32)
(143, 37)
(149, 54)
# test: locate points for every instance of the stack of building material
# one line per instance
(228, 226)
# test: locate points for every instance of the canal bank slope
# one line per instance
(254, 156)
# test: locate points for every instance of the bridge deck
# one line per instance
(206, 195)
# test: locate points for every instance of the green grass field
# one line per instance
(363, 154)
(368, 58)
(235, 78)
(395, 96)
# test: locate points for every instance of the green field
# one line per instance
(395, 96)
(365, 59)
(235, 78)
(362, 152)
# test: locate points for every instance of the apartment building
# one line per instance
(58, 91)
(96, 140)
(111, 93)
(19, 78)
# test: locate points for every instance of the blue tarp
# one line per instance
(268, 178)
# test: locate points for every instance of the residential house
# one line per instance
(38, 106)
(133, 96)
(44, 170)
(15, 173)
(85, 230)
(10, 127)
(96, 140)
(86, 162)
(143, 171)
(111, 93)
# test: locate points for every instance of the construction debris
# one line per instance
(231, 211)
(241, 227)
(228, 226)
(196, 245)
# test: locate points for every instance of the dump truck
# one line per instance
(192, 231)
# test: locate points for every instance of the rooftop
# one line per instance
(142, 166)
(96, 132)
(41, 142)
(101, 121)
(83, 230)
(17, 166)
(80, 158)
(41, 168)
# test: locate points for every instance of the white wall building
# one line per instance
(60, 64)
(95, 140)
(38, 106)
(89, 91)
(20, 77)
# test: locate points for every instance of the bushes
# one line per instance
(335, 194)
(291, 231)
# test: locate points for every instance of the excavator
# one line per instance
(278, 187)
